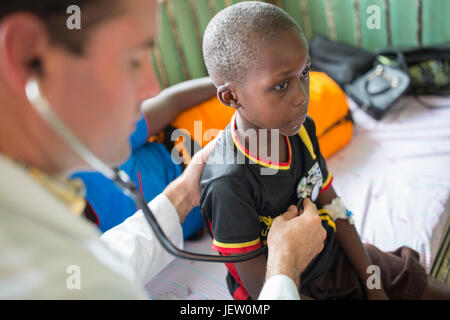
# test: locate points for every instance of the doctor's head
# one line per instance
(93, 64)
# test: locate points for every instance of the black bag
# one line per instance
(377, 90)
(374, 90)
(393, 73)
(342, 62)
(428, 67)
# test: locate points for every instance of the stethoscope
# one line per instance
(307, 189)
(120, 178)
(123, 181)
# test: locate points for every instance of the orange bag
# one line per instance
(327, 106)
(329, 109)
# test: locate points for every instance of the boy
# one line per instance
(257, 56)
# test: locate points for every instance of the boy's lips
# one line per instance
(294, 126)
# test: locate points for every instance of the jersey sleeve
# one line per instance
(233, 221)
(327, 176)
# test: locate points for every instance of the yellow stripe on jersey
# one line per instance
(247, 154)
(327, 182)
(236, 245)
(307, 141)
(272, 166)
(324, 215)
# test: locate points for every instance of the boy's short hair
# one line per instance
(233, 38)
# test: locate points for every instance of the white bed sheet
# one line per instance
(394, 176)
(191, 280)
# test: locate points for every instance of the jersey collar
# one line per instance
(263, 162)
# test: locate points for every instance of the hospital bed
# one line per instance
(394, 175)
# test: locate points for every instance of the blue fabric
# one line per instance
(151, 168)
(140, 135)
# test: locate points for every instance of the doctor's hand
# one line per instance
(294, 240)
(184, 192)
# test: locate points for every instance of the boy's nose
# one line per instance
(301, 93)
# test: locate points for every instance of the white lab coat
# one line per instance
(48, 253)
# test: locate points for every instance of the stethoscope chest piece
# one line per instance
(309, 187)
(315, 192)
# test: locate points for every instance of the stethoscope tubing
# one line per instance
(121, 179)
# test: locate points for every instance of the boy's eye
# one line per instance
(282, 86)
(305, 72)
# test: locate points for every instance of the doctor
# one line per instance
(95, 79)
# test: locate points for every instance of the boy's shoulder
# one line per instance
(310, 126)
(307, 134)
(224, 161)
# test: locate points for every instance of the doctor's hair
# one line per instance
(53, 13)
(234, 37)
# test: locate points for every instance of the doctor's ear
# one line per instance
(227, 96)
(24, 40)
(36, 66)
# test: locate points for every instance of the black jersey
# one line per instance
(239, 201)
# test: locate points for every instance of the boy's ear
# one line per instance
(227, 96)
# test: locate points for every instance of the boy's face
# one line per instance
(276, 93)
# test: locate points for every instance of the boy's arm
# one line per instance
(165, 107)
(346, 234)
(252, 274)
(351, 244)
